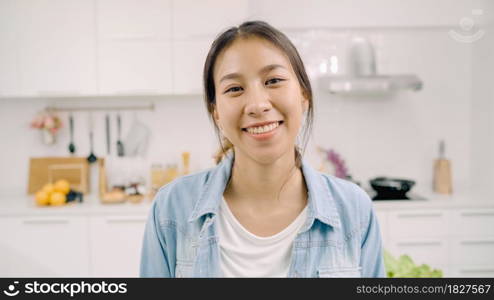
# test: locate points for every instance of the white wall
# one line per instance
(483, 110)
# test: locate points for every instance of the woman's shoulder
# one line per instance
(347, 195)
(353, 204)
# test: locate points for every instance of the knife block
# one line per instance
(104, 195)
(442, 177)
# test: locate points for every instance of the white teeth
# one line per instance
(263, 129)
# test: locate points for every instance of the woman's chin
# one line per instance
(266, 156)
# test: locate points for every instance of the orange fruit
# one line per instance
(57, 198)
(48, 188)
(42, 198)
(62, 186)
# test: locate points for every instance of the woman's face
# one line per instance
(259, 101)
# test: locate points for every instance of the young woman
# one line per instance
(262, 211)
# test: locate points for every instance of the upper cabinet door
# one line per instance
(9, 72)
(189, 57)
(134, 47)
(195, 25)
(134, 19)
(134, 68)
(193, 18)
(56, 47)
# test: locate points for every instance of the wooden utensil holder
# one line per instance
(442, 177)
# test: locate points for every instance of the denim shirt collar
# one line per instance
(320, 200)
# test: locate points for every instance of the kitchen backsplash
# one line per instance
(395, 135)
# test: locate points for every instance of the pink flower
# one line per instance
(46, 121)
(49, 122)
(37, 122)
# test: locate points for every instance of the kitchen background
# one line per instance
(115, 55)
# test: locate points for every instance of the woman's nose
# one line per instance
(258, 102)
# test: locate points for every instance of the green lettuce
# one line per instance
(405, 267)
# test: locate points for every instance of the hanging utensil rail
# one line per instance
(53, 108)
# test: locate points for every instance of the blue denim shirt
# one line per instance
(340, 237)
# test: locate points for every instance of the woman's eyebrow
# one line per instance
(264, 69)
(270, 68)
(230, 76)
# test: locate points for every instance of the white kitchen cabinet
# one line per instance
(116, 243)
(382, 218)
(474, 222)
(134, 19)
(432, 251)
(133, 67)
(421, 234)
(475, 252)
(44, 246)
(134, 47)
(192, 18)
(56, 44)
(418, 223)
(469, 271)
(188, 64)
(75, 246)
(458, 241)
(9, 74)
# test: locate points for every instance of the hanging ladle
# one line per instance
(91, 158)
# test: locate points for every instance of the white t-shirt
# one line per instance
(243, 254)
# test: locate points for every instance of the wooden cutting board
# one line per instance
(43, 170)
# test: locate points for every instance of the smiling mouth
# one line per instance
(263, 129)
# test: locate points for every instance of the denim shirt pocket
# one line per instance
(183, 269)
(333, 272)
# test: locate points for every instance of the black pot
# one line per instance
(391, 188)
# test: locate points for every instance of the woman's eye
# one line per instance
(274, 80)
(233, 89)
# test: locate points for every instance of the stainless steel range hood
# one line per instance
(377, 84)
(363, 78)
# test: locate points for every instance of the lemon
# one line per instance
(42, 198)
(57, 198)
(62, 186)
(48, 188)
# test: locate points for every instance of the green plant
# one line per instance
(405, 267)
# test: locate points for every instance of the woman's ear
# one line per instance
(305, 102)
(216, 118)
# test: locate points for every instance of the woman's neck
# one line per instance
(266, 184)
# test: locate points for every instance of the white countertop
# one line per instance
(18, 205)
(11, 205)
(438, 201)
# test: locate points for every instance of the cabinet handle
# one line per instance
(430, 215)
(40, 222)
(419, 244)
(477, 270)
(137, 92)
(125, 220)
(485, 242)
(478, 214)
(124, 36)
(59, 93)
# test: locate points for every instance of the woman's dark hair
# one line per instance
(265, 31)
